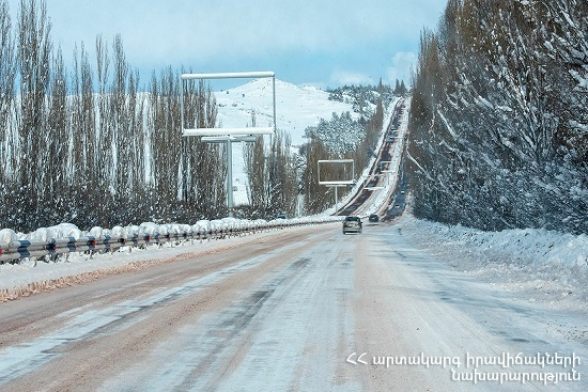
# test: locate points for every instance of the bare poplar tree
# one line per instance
(119, 120)
(255, 164)
(84, 154)
(165, 140)
(34, 47)
(103, 128)
(315, 196)
(137, 137)
(57, 149)
(7, 80)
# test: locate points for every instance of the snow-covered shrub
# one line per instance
(7, 236)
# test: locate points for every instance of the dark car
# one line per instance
(374, 218)
(352, 224)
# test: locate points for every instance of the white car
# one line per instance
(352, 224)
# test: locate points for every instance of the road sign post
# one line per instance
(336, 183)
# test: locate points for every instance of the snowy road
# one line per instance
(303, 310)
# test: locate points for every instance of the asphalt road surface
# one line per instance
(306, 309)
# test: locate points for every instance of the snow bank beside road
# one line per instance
(537, 265)
(30, 276)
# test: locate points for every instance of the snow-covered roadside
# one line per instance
(534, 265)
(27, 277)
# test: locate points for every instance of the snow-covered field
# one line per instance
(297, 108)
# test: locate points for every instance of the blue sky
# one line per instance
(325, 43)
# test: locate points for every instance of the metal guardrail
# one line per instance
(20, 249)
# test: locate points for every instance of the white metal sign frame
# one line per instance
(229, 135)
(229, 131)
(337, 182)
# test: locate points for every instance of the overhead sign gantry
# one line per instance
(229, 135)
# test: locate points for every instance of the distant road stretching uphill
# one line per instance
(374, 194)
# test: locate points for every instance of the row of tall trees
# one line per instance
(364, 98)
(86, 144)
(499, 119)
(93, 145)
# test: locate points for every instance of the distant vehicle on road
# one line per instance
(374, 218)
(352, 224)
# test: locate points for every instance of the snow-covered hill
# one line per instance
(296, 109)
